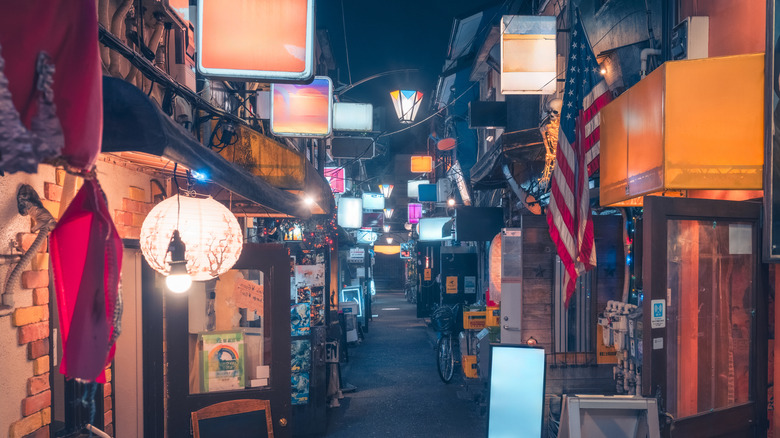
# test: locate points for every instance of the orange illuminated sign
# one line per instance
(422, 163)
(302, 110)
(256, 39)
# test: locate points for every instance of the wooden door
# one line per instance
(704, 311)
(269, 266)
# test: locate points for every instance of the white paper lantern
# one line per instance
(208, 229)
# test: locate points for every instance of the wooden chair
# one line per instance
(235, 419)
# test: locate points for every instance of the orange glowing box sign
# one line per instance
(256, 39)
(422, 163)
(302, 110)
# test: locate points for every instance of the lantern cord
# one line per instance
(178, 197)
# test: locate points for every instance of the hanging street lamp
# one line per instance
(201, 235)
(386, 189)
(406, 103)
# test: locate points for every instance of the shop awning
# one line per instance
(132, 122)
(524, 150)
(688, 128)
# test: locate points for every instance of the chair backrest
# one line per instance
(250, 418)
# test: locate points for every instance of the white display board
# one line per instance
(516, 400)
(599, 416)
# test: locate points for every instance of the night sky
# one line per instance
(389, 35)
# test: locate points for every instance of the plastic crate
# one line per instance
(470, 369)
(493, 316)
(474, 320)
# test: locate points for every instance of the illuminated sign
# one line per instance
(421, 164)
(436, 228)
(412, 187)
(350, 212)
(414, 212)
(366, 236)
(254, 40)
(406, 250)
(335, 177)
(353, 116)
(529, 57)
(302, 110)
(373, 201)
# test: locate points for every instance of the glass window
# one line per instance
(710, 288)
(573, 323)
(229, 333)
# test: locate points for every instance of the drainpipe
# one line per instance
(643, 55)
(518, 191)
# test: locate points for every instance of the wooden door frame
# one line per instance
(657, 210)
(274, 261)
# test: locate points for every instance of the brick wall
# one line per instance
(130, 217)
(32, 326)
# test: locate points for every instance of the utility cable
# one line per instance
(346, 46)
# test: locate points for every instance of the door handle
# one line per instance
(511, 329)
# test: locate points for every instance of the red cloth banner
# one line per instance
(86, 258)
(67, 31)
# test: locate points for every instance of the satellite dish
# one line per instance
(446, 144)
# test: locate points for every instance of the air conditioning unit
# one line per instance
(180, 44)
(690, 38)
(181, 55)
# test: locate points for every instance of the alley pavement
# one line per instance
(399, 393)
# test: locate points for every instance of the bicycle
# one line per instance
(444, 320)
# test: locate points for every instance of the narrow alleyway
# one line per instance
(399, 393)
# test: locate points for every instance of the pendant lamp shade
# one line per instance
(208, 229)
(386, 189)
(406, 104)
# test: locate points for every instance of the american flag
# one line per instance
(568, 214)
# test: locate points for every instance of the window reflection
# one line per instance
(710, 288)
(229, 333)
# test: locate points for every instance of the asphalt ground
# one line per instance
(399, 393)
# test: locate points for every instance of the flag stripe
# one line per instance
(577, 157)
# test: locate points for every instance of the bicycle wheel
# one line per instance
(445, 358)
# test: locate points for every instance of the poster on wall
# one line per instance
(300, 319)
(771, 234)
(317, 306)
(312, 275)
(300, 355)
(300, 388)
(222, 361)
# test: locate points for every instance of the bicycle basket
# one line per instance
(443, 319)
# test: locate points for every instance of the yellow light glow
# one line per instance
(387, 249)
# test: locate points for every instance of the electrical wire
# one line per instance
(615, 25)
(346, 46)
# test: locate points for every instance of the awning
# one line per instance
(132, 122)
(688, 128)
(523, 150)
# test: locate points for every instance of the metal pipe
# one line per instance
(643, 55)
(28, 204)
